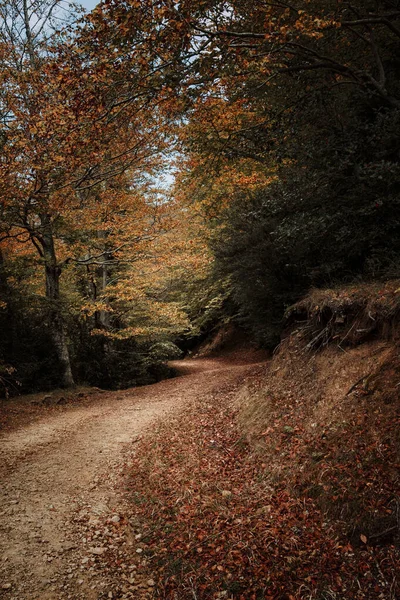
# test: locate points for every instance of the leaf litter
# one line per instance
(219, 526)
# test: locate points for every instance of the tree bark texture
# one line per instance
(56, 322)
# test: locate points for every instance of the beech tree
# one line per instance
(63, 138)
(31, 162)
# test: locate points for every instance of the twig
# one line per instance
(317, 338)
(383, 533)
(357, 382)
(347, 335)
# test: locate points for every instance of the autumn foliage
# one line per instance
(278, 121)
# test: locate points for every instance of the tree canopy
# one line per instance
(280, 123)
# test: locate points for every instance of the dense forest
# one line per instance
(170, 166)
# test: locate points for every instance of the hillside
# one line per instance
(286, 486)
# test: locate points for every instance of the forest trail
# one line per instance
(63, 471)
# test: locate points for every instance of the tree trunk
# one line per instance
(10, 335)
(104, 316)
(60, 343)
(56, 326)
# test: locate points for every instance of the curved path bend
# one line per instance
(63, 469)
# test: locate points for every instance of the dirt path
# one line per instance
(58, 480)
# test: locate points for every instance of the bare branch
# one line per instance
(381, 69)
(373, 21)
